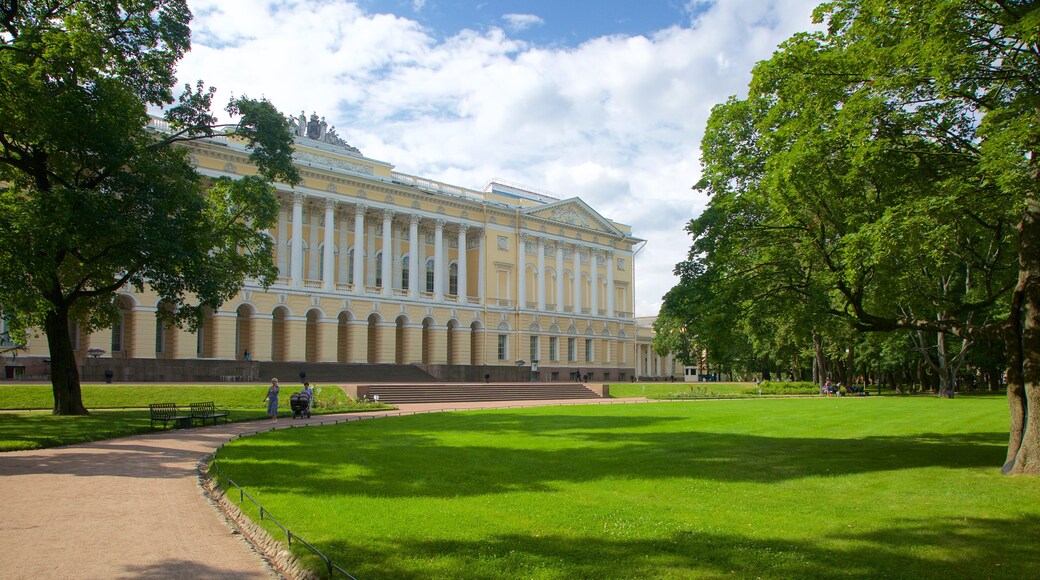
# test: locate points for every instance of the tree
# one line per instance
(981, 60)
(92, 199)
(894, 161)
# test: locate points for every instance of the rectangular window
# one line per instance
(572, 350)
(588, 350)
(534, 348)
(503, 347)
(554, 348)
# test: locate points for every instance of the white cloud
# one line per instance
(518, 22)
(616, 121)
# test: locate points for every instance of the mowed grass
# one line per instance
(796, 488)
(121, 410)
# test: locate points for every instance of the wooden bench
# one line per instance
(167, 412)
(208, 410)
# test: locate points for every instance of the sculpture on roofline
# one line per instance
(318, 130)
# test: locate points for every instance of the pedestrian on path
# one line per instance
(272, 400)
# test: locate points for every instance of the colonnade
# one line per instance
(352, 265)
(572, 254)
(651, 364)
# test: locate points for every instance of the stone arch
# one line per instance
(454, 346)
(279, 333)
(122, 328)
(205, 346)
(165, 334)
(476, 343)
(245, 326)
(374, 320)
(401, 339)
(312, 335)
(428, 339)
(343, 321)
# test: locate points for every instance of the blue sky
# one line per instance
(603, 100)
(542, 22)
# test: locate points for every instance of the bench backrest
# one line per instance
(163, 409)
(208, 407)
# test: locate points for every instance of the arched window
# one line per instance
(453, 278)
(429, 274)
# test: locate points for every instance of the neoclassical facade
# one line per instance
(378, 266)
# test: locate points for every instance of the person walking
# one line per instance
(272, 400)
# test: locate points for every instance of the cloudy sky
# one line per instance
(605, 100)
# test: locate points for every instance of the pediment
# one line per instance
(576, 213)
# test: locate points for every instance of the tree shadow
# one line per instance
(181, 568)
(915, 548)
(417, 461)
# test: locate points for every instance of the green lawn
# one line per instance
(795, 488)
(120, 410)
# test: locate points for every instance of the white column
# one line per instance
(480, 267)
(312, 250)
(296, 262)
(359, 249)
(541, 273)
(329, 258)
(413, 258)
(559, 277)
(463, 228)
(438, 261)
(388, 251)
(594, 289)
(370, 255)
(577, 280)
(283, 242)
(420, 276)
(344, 244)
(521, 277)
(611, 262)
(395, 259)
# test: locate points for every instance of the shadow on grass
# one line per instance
(916, 548)
(416, 462)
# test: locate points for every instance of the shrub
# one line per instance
(785, 388)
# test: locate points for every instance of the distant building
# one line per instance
(378, 266)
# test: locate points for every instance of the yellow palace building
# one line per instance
(383, 268)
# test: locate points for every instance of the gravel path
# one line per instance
(132, 507)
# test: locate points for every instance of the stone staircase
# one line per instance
(472, 392)
(289, 372)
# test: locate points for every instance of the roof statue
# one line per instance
(318, 130)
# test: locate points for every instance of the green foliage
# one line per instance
(801, 488)
(785, 388)
(677, 390)
(92, 200)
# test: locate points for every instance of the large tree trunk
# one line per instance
(1023, 346)
(68, 399)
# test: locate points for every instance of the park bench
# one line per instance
(167, 412)
(208, 410)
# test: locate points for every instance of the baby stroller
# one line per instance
(301, 406)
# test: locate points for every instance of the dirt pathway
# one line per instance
(132, 507)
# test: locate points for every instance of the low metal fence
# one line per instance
(243, 495)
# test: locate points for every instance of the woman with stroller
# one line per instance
(309, 391)
(272, 400)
